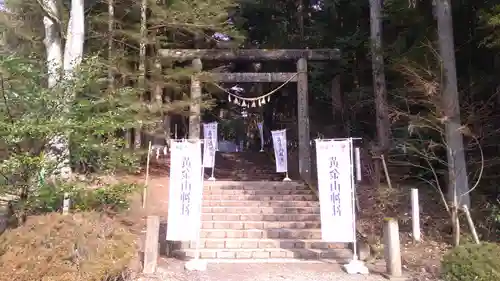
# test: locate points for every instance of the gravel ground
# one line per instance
(173, 270)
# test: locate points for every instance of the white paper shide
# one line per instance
(335, 187)
(280, 150)
(210, 144)
(186, 191)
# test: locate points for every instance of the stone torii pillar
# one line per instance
(195, 107)
(303, 121)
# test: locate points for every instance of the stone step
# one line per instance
(259, 217)
(255, 185)
(247, 243)
(341, 255)
(240, 225)
(294, 197)
(254, 203)
(258, 192)
(282, 233)
(262, 210)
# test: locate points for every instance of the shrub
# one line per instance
(81, 247)
(108, 198)
(49, 197)
(472, 262)
(39, 125)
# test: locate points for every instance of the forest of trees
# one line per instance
(417, 80)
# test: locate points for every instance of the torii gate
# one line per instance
(301, 56)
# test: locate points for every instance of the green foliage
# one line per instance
(21, 28)
(490, 18)
(31, 116)
(231, 128)
(114, 197)
(490, 221)
(472, 262)
(80, 247)
(49, 197)
(181, 16)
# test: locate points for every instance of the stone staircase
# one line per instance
(260, 220)
(248, 166)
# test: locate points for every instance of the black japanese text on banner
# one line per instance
(210, 144)
(335, 188)
(186, 191)
(280, 150)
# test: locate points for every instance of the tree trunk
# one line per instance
(67, 62)
(455, 225)
(142, 66)
(53, 42)
(75, 36)
(54, 57)
(167, 121)
(379, 86)
(73, 52)
(300, 17)
(338, 106)
(158, 96)
(458, 184)
(111, 31)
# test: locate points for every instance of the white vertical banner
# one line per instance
(280, 150)
(335, 186)
(210, 144)
(260, 125)
(186, 191)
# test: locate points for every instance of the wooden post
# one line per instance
(470, 222)
(167, 121)
(392, 248)
(415, 214)
(146, 181)
(386, 171)
(151, 245)
(195, 111)
(303, 121)
(127, 137)
(66, 203)
(357, 157)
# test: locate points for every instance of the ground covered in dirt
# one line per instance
(174, 270)
(421, 259)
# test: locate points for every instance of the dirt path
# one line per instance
(174, 270)
(157, 195)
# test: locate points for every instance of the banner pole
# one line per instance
(261, 134)
(355, 266)
(353, 200)
(198, 235)
(286, 173)
(286, 177)
(196, 263)
(146, 181)
(212, 178)
(357, 156)
(286, 147)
